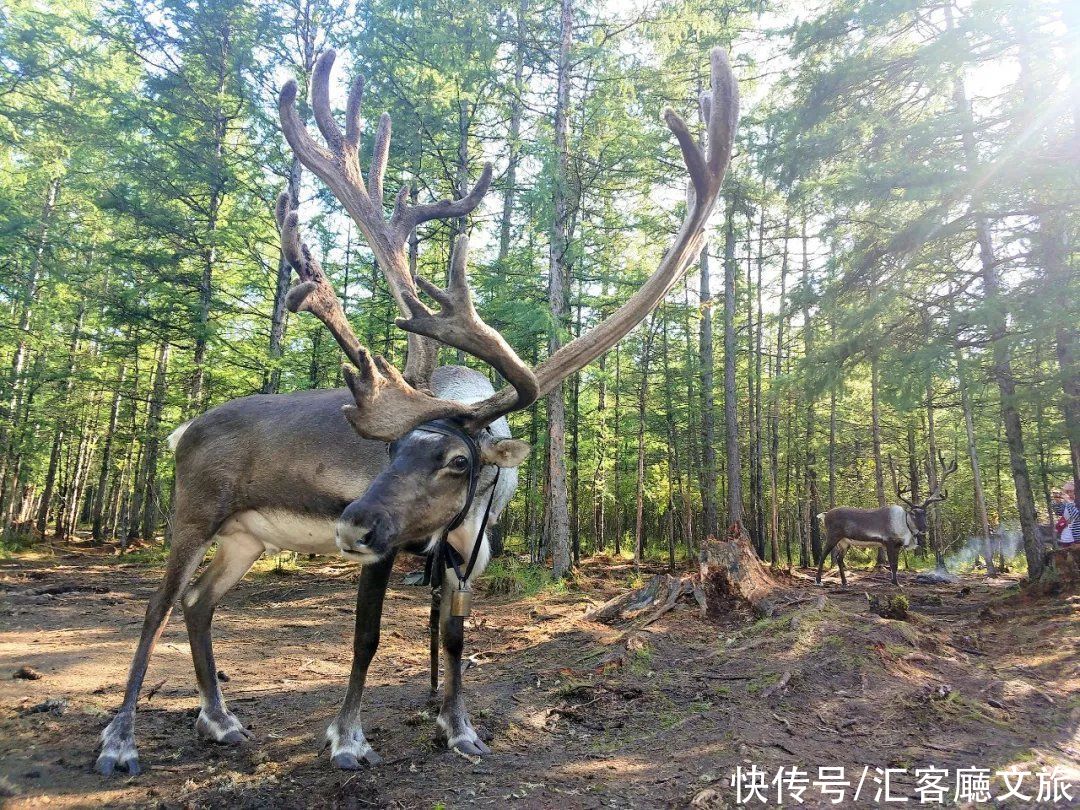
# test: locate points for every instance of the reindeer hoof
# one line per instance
(349, 749)
(118, 749)
(221, 727)
(348, 761)
(471, 747)
(106, 763)
(460, 736)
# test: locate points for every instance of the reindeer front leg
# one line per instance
(345, 736)
(453, 721)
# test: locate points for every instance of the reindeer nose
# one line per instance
(364, 532)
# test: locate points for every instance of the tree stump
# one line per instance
(729, 575)
(1062, 573)
(731, 572)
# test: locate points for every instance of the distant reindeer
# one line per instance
(396, 461)
(888, 527)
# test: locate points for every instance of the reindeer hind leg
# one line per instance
(118, 738)
(830, 544)
(236, 552)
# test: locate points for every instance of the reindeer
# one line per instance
(397, 461)
(891, 527)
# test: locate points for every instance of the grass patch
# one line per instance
(144, 555)
(282, 564)
(510, 576)
(16, 543)
(641, 661)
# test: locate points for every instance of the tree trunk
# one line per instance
(575, 447)
(774, 409)
(934, 522)
(618, 452)
(61, 423)
(1002, 352)
(13, 403)
(639, 529)
(98, 511)
(813, 528)
(150, 505)
(976, 470)
(514, 138)
(711, 525)
(209, 252)
(731, 425)
(758, 455)
(558, 507)
(875, 430)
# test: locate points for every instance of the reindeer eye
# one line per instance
(459, 464)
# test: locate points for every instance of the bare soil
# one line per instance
(979, 675)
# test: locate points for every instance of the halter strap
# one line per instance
(444, 550)
(447, 428)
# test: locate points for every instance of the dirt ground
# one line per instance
(980, 676)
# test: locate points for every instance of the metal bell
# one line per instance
(460, 602)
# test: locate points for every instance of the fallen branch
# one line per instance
(769, 691)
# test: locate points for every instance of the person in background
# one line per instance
(1065, 506)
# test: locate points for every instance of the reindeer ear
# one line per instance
(504, 452)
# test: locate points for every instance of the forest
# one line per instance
(891, 272)
(888, 283)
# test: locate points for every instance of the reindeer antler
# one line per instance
(940, 493)
(380, 392)
(388, 403)
(895, 482)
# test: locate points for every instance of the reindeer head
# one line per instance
(917, 511)
(442, 450)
